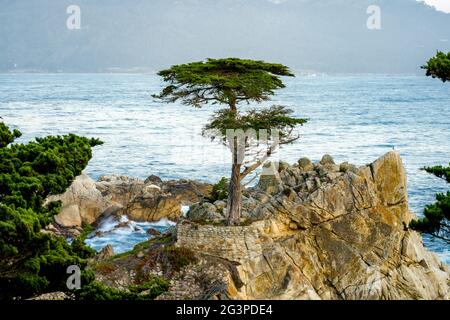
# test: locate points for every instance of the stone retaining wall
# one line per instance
(232, 243)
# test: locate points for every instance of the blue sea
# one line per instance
(355, 118)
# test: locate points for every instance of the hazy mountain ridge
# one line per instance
(324, 36)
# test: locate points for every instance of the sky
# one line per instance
(329, 36)
(442, 5)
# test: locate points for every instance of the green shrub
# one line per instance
(145, 291)
(219, 190)
(173, 258)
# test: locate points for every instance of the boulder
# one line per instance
(305, 164)
(153, 207)
(153, 180)
(205, 211)
(81, 203)
(327, 159)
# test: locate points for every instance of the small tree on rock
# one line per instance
(230, 82)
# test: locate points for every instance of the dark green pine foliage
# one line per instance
(439, 66)
(436, 220)
(31, 261)
(439, 171)
(229, 82)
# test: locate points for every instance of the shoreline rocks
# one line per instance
(88, 202)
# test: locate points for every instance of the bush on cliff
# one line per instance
(31, 261)
(148, 290)
(219, 190)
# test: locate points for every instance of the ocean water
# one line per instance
(355, 118)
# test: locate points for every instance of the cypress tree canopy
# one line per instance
(225, 81)
(436, 220)
(439, 66)
(31, 261)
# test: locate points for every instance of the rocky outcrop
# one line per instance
(81, 203)
(329, 232)
(157, 200)
(87, 201)
(105, 253)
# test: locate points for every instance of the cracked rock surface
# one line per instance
(325, 231)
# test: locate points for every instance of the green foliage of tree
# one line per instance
(231, 81)
(436, 220)
(148, 290)
(32, 261)
(439, 66)
(439, 171)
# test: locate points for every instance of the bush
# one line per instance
(33, 262)
(145, 291)
(173, 258)
(219, 190)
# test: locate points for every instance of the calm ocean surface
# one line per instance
(354, 118)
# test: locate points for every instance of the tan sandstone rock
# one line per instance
(81, 203)
(345, 239)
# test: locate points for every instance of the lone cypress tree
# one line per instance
(230, 82)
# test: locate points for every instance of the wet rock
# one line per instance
(153, 232)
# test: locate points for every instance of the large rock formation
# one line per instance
(81, 203)
(329, 232)
(86, 201)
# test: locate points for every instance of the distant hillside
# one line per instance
(324, 36)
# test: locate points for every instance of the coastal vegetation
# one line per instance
(33, 261)
(229, 82)
(147, 290)
(439, 66)
(436, 220)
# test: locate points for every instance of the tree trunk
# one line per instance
(234, 205)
